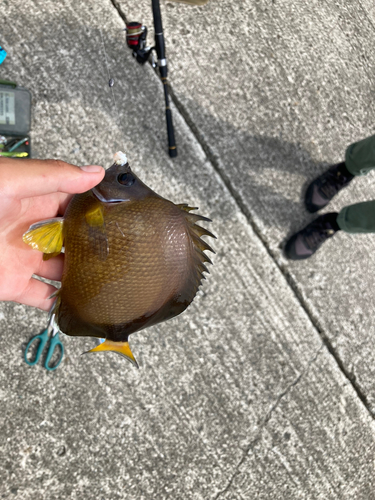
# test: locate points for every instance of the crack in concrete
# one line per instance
(267, 418)
(292, 384)
(215, 162)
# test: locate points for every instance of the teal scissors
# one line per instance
(51, 331)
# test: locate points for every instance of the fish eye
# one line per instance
(126, 179)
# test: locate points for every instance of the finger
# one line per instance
(64, 202)
(27, 178)
(51, 269)
(36, 294)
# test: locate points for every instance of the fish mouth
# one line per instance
(103, 199)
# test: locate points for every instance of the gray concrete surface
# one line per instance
(262, 388)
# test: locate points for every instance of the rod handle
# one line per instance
(171, 140)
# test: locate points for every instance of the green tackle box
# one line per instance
(15, 120)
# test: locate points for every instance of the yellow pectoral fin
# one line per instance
(122, 348)
(46, 236)
(94, 217)
(97, 233)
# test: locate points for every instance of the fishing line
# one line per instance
(110, 80)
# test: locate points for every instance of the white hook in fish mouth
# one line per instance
(120, 158)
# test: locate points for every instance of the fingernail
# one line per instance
(91, 168)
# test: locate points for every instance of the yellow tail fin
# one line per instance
(122, 348)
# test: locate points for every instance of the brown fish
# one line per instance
(132, 259)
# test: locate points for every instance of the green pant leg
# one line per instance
(360, 156)
(358, 218)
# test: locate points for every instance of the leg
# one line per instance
(358, 218)
(360, 156)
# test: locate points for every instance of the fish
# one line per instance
(132, 259)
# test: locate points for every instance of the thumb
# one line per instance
(26, 178)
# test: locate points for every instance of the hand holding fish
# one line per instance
(31, 190)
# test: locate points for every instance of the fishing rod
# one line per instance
(136, 35)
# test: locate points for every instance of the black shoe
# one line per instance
(304, 244)
(321, 191)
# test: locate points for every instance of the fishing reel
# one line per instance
(136, 36)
